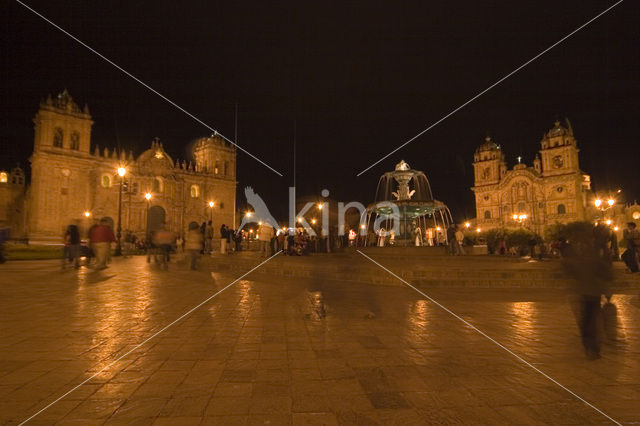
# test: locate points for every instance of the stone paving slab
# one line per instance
(273, 350)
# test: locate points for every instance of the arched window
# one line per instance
(226, 168)
(57, 137)
(562, 209)
(134, 187)
(216, 168)
(105, 181)
(75, 141)
(157, 185)
(487, 214)
(195, 191)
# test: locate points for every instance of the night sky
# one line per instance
(357, 78)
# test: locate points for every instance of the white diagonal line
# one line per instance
(493, 85)
(151, 337)
(473, 327)
(147, 86)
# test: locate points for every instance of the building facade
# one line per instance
(71, 180)
(552, 190)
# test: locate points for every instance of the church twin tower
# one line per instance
(553, 190)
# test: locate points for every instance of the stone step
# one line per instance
(352, 269)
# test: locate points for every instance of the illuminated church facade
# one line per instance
(553, 190)
(72, 180)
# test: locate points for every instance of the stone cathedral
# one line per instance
(71, 180)
(553, 190)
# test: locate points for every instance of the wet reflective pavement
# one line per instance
(286, 351)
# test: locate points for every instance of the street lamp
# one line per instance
(520, 218)
(211, 204)
(121, 172)
(147, 196)
(467, 225)
(87, 214)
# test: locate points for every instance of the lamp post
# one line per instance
(520, 218)
(211, 204)
(147, 197)
(121, 172)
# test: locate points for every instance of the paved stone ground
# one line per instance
(284, 351)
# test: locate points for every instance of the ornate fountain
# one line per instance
(419, 213)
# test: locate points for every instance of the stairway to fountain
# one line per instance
(418, 269)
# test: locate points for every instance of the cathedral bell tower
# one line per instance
(61, 126)
(488, 163)
(559, 151)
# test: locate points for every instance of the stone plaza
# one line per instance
(300, 341)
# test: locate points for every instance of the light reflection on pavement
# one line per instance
(299, 351)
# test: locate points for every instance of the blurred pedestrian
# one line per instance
(208, 238)
(223, 239)
(193, 245)
(164, 240)
(265, 235)
(100, 237)
(591, 273)
(71, 251)
(632, 240)
(460, 241)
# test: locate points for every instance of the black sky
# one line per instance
(359, 78)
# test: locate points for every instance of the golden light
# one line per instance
(615, 228)
(478, 230)
(467, 224)
(598, 202)
(247, 214)
(299, 220)
(87, 214)
(211, 204)
(515, 217)
(284, 228)
(320, 206)
(522, 217)
(313, 221)
(608, 222)
(251, 231)
(363, 226)
(437, 228)
(147, 196)
(122, 171)
(611, 202)
(260, 223)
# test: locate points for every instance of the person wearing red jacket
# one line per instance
(101, 236)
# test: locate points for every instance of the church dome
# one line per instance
(155, 157)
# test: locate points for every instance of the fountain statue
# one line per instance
(422, 220)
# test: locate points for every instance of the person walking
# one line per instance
(460, 241)
(591, 273)
(71, 246)
(281, 239)
(265, 234)
(164, 241)
(193, 245)
(100, 237)
(451, 240)
(632, 240)
(208, 238)
(223, 239)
